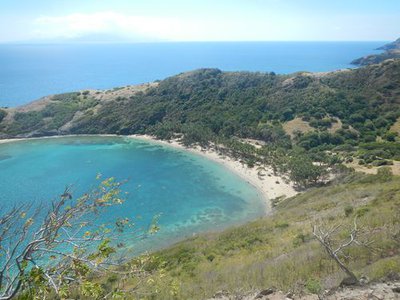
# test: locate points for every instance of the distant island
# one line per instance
(391, 51)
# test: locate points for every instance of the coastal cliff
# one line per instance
(391, 51)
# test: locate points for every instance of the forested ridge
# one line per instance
(226, 104)
(350, 113)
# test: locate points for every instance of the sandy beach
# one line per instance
(10, 140)
(269, 185)
(3, 141)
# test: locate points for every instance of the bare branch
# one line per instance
(326, 239)
(65, 234)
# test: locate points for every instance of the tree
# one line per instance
(3, 114)
(46, 249)
(390, 136)
(303, 172)
(336, 248)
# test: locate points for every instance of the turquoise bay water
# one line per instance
(29, 72)
(193, 194)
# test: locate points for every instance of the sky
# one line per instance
(198, 20)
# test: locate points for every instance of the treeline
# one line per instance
(209, 105)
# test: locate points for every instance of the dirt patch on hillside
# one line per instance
(297, 124)
(373, 170)
(396, 127)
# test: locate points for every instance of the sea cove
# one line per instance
(190, 193)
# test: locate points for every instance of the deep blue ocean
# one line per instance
(28, 72)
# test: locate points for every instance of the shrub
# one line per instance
(368, 138)
(391, 136)
(282, 225)
(345, 147)
(381, 162)
(321, 124)
(384, 174)
(313, 286)
(303, 172)
(348, 210)
(210, 257)
(362, 211)
(300, 239)
(380, 122)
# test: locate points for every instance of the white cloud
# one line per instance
(109, 26)
(110, 23)
(148, 28)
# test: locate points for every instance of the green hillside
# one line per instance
(350, 113)
(226, 104)
(279, 250)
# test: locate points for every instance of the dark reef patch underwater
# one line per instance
(191, 193)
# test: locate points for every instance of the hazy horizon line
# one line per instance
(186, 42)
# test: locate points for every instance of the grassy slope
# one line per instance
(279, 250)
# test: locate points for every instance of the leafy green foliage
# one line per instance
(3, 114)
(54, 115)
(67, 234)
(313, 286)
(348, 210)
(304, 172)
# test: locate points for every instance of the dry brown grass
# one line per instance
(123, 92)
(256, 143)
(36, 105)
(297, 124)
(373, 170)
(396, 126)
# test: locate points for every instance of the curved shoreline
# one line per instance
(269, 185)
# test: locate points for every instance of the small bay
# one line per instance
(190, 193)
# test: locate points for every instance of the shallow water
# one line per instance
(191, 193)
